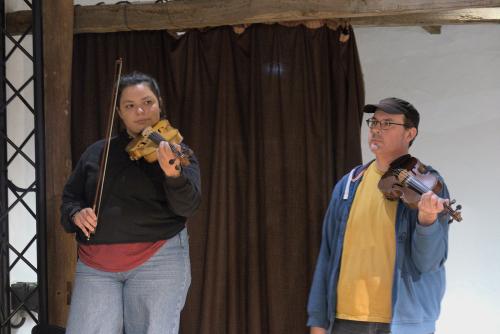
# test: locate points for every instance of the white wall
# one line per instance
(453, 79)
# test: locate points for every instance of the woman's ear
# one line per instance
(163, 113)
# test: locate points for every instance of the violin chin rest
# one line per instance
(151, 157)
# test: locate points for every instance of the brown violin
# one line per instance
(145, 144)
(407, 179)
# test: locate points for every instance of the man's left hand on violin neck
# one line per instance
(429, 206)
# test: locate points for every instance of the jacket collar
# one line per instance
(355, 174)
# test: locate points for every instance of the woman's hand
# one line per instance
(85, 220)
(168, 160)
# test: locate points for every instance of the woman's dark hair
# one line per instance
(136, 78)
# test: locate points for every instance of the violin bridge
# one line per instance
(147, 131)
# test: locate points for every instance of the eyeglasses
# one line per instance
(383, 125)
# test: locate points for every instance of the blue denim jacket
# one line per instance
(419, 275)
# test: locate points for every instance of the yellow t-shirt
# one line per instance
(364, 290)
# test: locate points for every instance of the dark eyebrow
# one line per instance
(149, 97)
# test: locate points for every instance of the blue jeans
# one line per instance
(145, 300)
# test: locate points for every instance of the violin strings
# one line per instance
(413, 182)
(419, 186)
(157, 139)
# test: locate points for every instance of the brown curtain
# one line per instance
(273, 115)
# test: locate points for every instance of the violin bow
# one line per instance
(104, 159)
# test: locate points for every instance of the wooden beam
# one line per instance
(57, 22)
(180, 15)
(18, 22)
(433, 30)
(203, 13)
(464, 16)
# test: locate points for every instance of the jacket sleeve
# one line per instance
(430, 243)
(184, 192)
(73, 197)
(317, 307)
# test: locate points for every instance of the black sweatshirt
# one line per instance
(139, 202)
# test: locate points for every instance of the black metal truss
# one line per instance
(10, 257)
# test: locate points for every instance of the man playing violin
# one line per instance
(381, 264)
(133, 270)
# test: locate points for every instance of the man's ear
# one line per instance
(412, 133)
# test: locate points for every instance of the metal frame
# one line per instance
(4, 223)
(38, 186)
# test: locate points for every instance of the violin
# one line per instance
(146, 143)
(407, 179)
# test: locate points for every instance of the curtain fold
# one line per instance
(273, 115)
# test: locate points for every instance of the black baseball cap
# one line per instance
(393, 105)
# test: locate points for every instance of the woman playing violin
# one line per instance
(133, 270)
(381, 262)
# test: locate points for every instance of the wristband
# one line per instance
(72, 217)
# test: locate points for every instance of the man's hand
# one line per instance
(429, 206)
(318, 330)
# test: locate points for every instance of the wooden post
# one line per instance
(57, 21)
